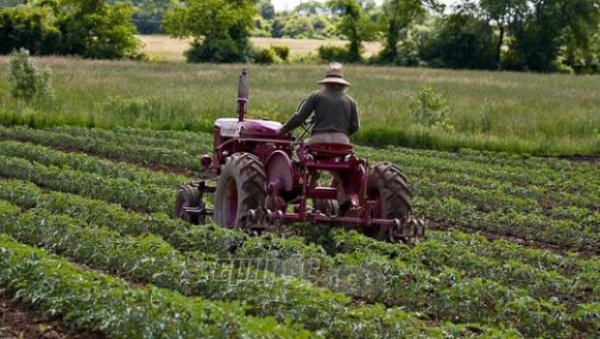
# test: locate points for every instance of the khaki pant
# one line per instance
(330, 138)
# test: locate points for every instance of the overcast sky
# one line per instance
(282, 5)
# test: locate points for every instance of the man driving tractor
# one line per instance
(335, 119)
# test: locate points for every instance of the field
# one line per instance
(87, 239)
(510, 112)
(163, 48)
(88, 179)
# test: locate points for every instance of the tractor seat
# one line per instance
(330, 150)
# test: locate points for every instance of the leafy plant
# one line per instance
(430, 109)
(27, 82)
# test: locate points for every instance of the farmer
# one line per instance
(336, 115)
(335, 119)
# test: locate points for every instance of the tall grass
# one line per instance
(519, 113)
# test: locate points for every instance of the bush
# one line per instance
(282, 51)
(429, 109)
(26, 81)
(220, 51)
(266, 56)
(331, 53)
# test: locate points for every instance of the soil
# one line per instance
(18, 320)
(583, 159)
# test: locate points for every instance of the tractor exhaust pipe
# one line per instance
(242, 98)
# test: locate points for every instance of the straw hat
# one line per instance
(335, 75)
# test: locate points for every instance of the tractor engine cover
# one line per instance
(233, 128)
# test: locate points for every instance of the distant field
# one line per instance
(517, 113)
(165, 48)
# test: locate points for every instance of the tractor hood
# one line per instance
(232, 128)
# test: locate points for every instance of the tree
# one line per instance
(97, 29)
(546, 27)
(30, 27)
(219, 28)
(266, 9)
(397, 16)
(89, 28)
(503, 13)
(310, 8)
(353, 24)
(461, 40)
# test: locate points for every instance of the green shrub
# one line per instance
(429, 109)
(266, 56)
(331, 53)
(220, 51)
(282, 51)
(27, 82)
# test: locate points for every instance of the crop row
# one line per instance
(87, 163)
(98, 302)
(192, 143)
(149, 259)
(402, 283)
(143, 197)
(156, 155)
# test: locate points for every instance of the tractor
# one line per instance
(264, 181)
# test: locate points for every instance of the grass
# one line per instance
(511, 112)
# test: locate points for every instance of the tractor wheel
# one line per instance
(241, 187)
(388, 187)
(188, 196)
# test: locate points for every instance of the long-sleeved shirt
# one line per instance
(335, 111)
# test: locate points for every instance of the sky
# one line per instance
(282, 5)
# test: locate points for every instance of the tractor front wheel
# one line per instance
(388, 187)
(241, 187)
(187, 197)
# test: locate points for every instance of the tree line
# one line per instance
(522, 35)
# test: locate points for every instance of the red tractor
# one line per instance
(264, 181)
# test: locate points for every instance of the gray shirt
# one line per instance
(335, 111)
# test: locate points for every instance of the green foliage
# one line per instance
(27, 82)
(90, 300)
(97, 29)
(461, 41)
(430, 109)
(540, 33)
(266, 56)
(354, 25)
(89, 28)
(282, 51)
(330, 53)
(396, 17)
(218, 35)
(30, 27)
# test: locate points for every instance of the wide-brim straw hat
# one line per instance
(335, 75)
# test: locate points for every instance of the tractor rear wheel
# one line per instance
(388, 187)
(241, 187)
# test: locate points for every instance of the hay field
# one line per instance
(162, 47)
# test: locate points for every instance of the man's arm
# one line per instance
(305, 111)
(354, 119)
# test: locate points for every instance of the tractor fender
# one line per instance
(279, 166)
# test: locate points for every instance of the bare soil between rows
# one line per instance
(19, 320)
